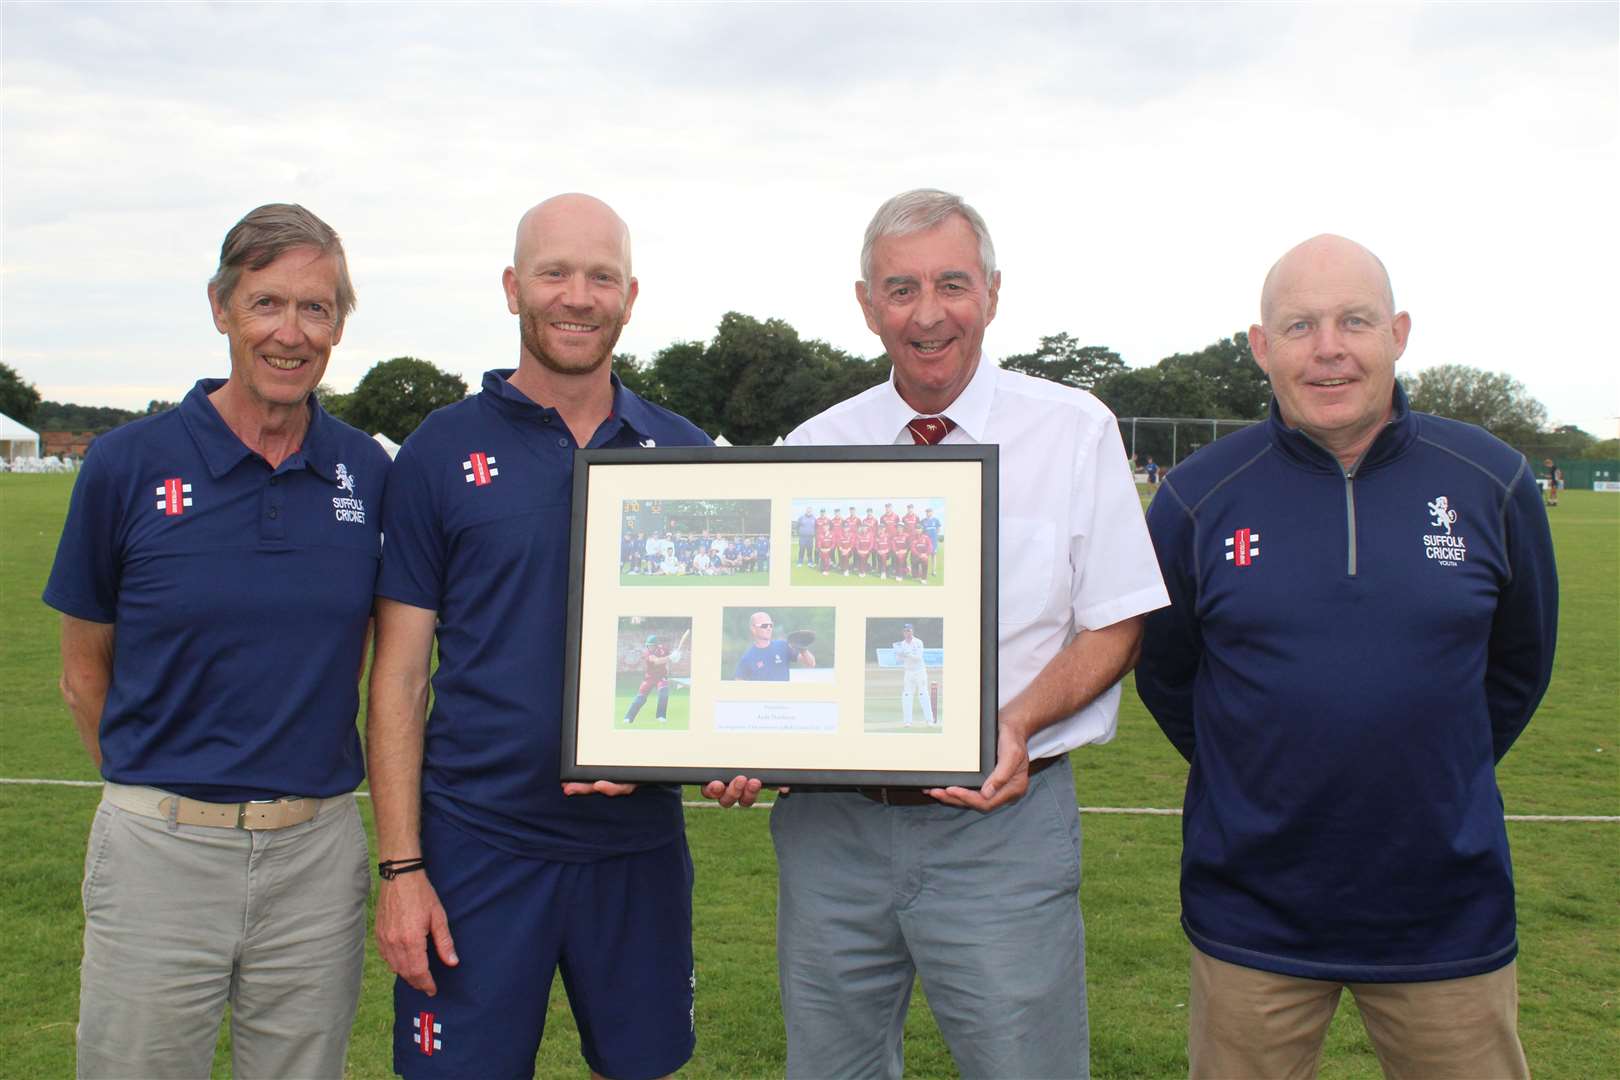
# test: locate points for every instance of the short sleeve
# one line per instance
(85, 578)
(1115, 573)
(413, 554)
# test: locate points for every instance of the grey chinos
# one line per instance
(984, 907)
(180, 919)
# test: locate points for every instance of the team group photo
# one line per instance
(866, 541)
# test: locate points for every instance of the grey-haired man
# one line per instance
(974, 890)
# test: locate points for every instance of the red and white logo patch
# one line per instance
(174, 495)
(426, 1035)
(1243, 547)
(479, 469)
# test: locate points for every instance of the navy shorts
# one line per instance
(619, 928)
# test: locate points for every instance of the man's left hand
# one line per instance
(598, 787)
(1007, 783)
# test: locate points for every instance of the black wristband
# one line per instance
(389, 869)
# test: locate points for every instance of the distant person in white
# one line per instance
(909, 651)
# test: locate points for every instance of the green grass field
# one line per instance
(1136, 956)
(884, 712)
(676, 719)
(751, 579)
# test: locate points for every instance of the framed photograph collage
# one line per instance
(804, 615)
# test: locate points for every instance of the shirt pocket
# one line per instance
(1027, 565)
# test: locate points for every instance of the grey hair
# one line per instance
(265, 235)
(924, 208)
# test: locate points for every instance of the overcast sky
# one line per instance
(1140, 168)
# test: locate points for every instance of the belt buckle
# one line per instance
(241, 810)
(884, 792)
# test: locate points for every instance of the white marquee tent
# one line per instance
(17, 441)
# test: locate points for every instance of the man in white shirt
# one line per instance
(973, 889)
(909, 651)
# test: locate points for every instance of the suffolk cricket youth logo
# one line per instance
(479, 469)
(1243, 547)
(174, 495)
(1446, 548)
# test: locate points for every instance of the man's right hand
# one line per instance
(408, 915)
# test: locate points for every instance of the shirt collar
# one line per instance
(1390, 442)
(628, 409)
(222, 450)
(970, 411)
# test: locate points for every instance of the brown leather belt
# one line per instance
(906, 796)
(256, 815)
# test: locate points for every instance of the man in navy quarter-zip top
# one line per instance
(1364, 609)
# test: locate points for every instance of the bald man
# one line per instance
(1364, 607)
(495, 873)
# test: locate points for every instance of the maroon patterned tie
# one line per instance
(928, 430)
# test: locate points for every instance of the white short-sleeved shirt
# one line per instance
(1075, 553)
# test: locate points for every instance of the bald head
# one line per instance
(571, 211)
(1324, 261)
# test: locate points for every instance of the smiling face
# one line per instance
(1329, 339)
(570, 284)
(282, 322)
(929, 300)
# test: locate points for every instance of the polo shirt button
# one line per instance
(273, 481)
(562, 442)
(274, 513)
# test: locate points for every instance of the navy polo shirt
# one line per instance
(239, 596)
(478, 515)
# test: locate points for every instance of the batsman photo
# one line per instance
(905, 668)
(653, 673)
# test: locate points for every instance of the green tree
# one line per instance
(1607, 450)
(1063, 359)
(396, 395)
(65, 416)
(1238, 389)
(334, 402)
(755, 381)
(18, 400)
(1496, 402)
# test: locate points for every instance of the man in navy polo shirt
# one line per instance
(214, 578)
(1363, 620)
(480, 837)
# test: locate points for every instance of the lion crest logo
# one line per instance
(1442, 514)
(345, 480)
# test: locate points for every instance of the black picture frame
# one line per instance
(644, 620)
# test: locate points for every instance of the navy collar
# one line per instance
(223, 451)
(628, 409)
(1390, 443)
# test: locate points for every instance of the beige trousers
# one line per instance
(181, 919)
(1246, 1023)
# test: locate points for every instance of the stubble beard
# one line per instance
(531, 330)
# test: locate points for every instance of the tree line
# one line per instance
(757, 379)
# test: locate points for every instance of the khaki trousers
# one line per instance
(180, 919)
(1243, 1022)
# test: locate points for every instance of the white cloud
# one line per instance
(1140, 168)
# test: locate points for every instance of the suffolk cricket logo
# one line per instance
(1446, 548)
(174, 495)
(479, 468)
(346, 507)
(1243, 547)
(426, 1035)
